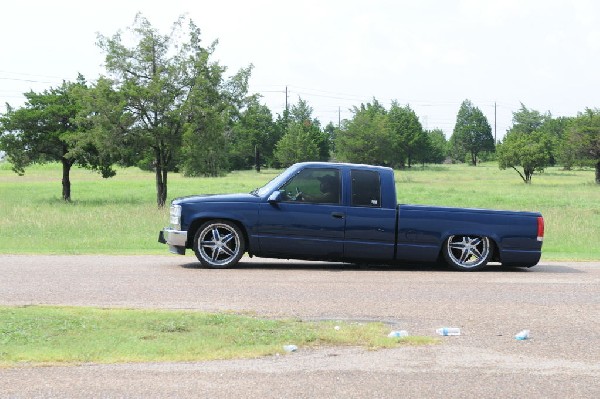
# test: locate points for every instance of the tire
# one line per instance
(219, 244)
(467, 253)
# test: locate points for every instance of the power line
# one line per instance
(30, 74)
(26, 80)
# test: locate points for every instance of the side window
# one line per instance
(366, 188)
(319, 186)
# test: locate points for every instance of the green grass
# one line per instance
(51, 335)
(119, 215)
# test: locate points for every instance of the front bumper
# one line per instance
(175, 239)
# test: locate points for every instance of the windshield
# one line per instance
(275, 183)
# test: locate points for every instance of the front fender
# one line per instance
(244, 218)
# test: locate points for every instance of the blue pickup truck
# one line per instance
(346, 212)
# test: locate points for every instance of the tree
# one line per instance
(330, 131)
(45, 129)
(436, 147)
(526, 144)
(531, 151)
(472, 133)
(301, 114)
(528, 120)
(212, 110)
(555, 129)
(253, 133)
(584, 138)
(409, 138)
(296, 145)
(366, 138)
(175, 96)
(104, 118)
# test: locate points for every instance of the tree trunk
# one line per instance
(528, 175)
(520, 174)
(66, 179)
(257, 158)
(598, 172)
(161, 186)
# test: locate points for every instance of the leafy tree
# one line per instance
(330, 131)
(301, 113)
(104, 118)
(212, 109)
(279, 130)
(253, 132)
(531, 151)
(472, 133)
(175, 96)
(527, 120)
(409, 138)
(528, 144)
(296, 145)
(45, 129)
(584, 138)
(366, 138)
(555, 129)
(436, 147)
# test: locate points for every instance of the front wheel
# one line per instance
(219, 244)
(467, 253)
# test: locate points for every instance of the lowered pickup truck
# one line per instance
(346, 212)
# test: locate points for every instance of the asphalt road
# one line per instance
(558, 302)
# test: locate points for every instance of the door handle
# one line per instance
(337, 215)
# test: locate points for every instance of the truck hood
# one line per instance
(216, 198)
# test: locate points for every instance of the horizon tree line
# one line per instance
(165, 106)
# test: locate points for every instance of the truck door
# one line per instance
(308, 220)
(370, 228)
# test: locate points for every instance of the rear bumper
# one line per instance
(520, 258)
(175, 239)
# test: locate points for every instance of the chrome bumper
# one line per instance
(175, 239)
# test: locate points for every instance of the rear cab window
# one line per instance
(366, 188)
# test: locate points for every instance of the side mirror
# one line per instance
(275, 197)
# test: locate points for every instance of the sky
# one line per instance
(430, 55)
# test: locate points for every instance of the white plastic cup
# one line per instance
(398, 334)
(522, 335)
(448, 331)
(290, 348)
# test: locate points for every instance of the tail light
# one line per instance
(540, 229)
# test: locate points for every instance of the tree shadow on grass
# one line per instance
(93, 202)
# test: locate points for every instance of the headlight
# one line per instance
(175, 218)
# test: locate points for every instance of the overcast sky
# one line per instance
(431, 55)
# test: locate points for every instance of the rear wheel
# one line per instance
(219, 244)
(467, 253)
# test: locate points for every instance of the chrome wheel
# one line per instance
(219, 244)
(467, 252)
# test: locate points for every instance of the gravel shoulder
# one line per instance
(559, 302)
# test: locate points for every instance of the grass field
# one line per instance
(43, 334)
(119, 215)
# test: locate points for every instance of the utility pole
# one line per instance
(495, 131)
(286, 100)
(339, 117)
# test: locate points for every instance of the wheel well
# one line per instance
(195, 225)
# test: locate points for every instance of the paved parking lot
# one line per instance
(558, 302)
